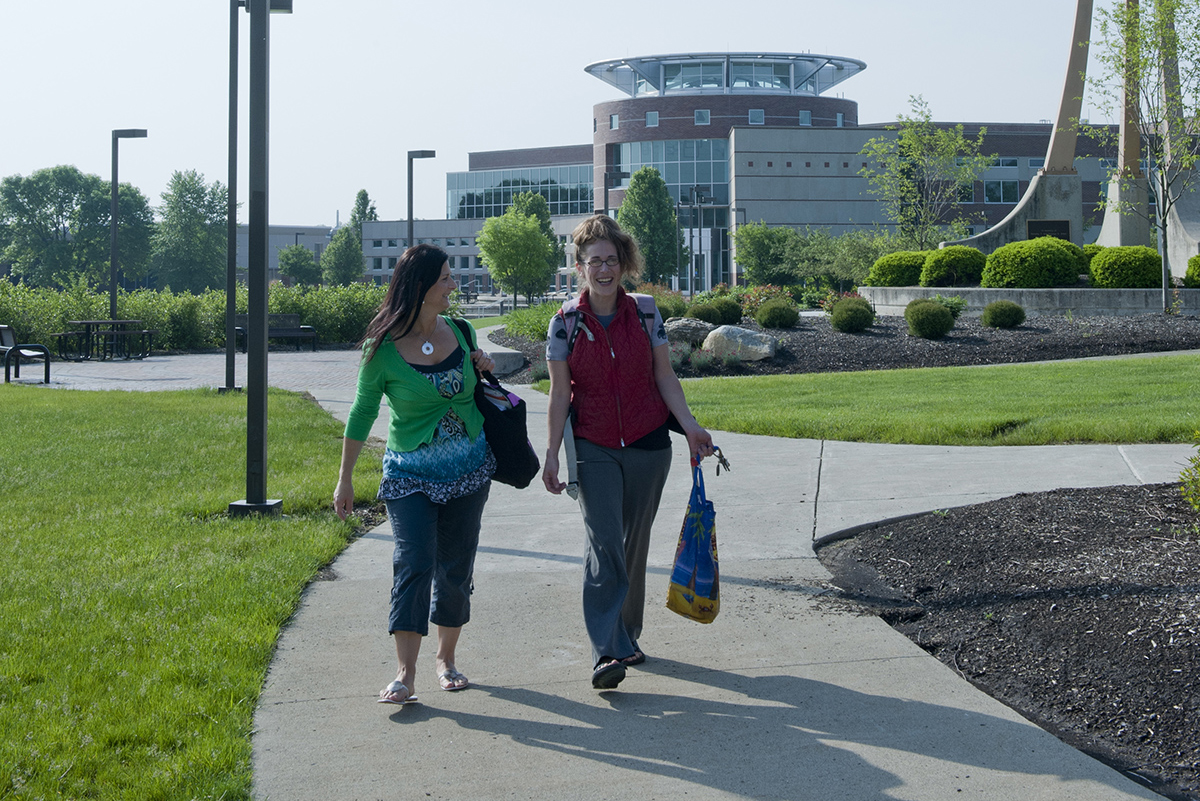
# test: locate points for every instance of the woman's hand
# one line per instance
(343, 499)
(700, 442)
(482, 361)
(550, 474)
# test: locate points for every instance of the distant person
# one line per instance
(437, 468)
(616, 381)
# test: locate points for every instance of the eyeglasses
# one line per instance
(595, 262)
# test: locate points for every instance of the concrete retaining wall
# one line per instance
(1080, 302)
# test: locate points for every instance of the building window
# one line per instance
(1006, 161)
(1000, 191)
(1037, 164)
(377, 263)
(749, 163)
(391, 262)
(770, 164)
(841, 120)
(701, 116)
(806, 118)
(757, 116)
(651, 119)
(391, 243)
(614, 121)
(966, 193)
(376, 243)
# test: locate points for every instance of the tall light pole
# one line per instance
(256, 501)
(231, 203)
(119, 133)
(414, 154)
(284, 6)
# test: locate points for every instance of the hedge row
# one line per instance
(185, 321)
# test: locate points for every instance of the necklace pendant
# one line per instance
(427, 348)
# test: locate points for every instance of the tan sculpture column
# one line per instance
(1054, 198)
(1126, 215)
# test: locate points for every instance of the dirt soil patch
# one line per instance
(1078, 608)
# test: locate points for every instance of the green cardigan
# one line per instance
(416, 406)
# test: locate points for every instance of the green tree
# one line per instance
(364, 211)
(342, 261)
(532, 204)
(647, 213)
(190, 243)
(917, 172)
(1153, 52)
(516, 253)
(766, 255)
(56, 224)
(297, 263)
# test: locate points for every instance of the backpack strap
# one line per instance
(468, 332)
(646, 311)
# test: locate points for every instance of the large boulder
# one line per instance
(747, 345)
(687, 330)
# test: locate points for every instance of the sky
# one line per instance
(355, 84)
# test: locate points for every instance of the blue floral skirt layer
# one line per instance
(435, 497)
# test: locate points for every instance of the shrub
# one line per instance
(706, 312)
(1033, 264)
(1191, 278)
(670, 303)
(731, 312)
(928, 319)
(902, 268)
(703, 360)
(851, 315)
(955, 305)
(777, 313)
(954, 265)
(832, 297)
(531, 323)
(1129, 267)
(812, 297)
(1002, 314)
(1190, 477)
(1089, 253)
(756, 296)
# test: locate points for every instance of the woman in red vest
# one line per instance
(612, 373)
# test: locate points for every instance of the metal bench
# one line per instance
(14, 354)
(279, 326)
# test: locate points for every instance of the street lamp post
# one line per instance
(414, 154)
(120, 133)
(231, 203)
(256, 501)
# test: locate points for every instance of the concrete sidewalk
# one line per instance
(786, 695)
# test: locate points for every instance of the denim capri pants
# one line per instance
(434, 559)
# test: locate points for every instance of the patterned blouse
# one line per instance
(436, 467)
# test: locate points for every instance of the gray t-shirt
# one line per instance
(556, 336)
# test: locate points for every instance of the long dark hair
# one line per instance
(416, 271)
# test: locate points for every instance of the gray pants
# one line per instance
(619, 491)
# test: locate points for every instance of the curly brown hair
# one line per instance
(601, 227)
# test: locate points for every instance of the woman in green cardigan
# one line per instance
(437, 468)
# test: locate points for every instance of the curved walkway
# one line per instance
(785, 696)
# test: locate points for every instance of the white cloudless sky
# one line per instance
(355, 84)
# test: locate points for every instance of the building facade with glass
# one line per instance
(737, 137)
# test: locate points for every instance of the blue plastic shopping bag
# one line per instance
(694, 591)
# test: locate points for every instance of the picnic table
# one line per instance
(105, 339)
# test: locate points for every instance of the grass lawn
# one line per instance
(1120, 400)
(138, 620)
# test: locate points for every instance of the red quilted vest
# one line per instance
(613, 393)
